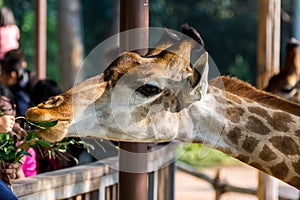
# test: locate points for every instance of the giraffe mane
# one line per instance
(245, 90)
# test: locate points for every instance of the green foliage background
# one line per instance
(228, 27)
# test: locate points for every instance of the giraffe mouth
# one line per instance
(49, 126)
(54, 133)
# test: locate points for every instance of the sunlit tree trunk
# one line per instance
(70, 40)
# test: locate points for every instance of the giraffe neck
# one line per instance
(263, 137)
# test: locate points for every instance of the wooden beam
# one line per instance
(268, 60)
(268, 46)
(40, 38)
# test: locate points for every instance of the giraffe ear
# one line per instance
(200, 80)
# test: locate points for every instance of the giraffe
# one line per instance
(287, 83)
(168, 99)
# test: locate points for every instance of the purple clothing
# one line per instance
(9, 39)
(29, 166)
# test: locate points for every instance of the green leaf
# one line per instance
(43, 125)
(14, 139)
(43, 143)
(11, 148)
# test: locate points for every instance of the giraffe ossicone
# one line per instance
(160, 97)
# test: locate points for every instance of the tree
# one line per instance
(70, 40)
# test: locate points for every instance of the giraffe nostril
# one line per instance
(52, 102)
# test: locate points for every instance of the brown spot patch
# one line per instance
(257, 166)
(256, 126)
(295, 181)
(259, 111)
(226, 151)
(243, 158)
(267, 154)
(234, 114)
(249, 144)
(280, 170)
(215, 91)
(296, 166)
(234, 135)
(280, 121)
(283, 116)
(220, 99)
(285, 145)
(234, 98)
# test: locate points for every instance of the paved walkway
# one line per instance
(188, 187)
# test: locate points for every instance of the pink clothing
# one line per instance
(29, 165)
(9, 39)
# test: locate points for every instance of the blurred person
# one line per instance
(17, 78)
(44, 89)
(9, 32)
(11, 171)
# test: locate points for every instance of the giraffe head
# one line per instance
(141, 104)
(136, 97)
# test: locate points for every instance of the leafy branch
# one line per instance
(13, 148)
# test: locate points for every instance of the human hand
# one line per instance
(18, 131)
(6, 123)
(10, 172)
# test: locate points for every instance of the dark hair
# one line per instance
(5, 91)
(6, 17)
(13, 62)
(44, 89)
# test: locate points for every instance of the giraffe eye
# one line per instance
(148, 90)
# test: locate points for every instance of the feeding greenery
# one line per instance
(13, 148)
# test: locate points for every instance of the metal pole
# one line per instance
(134, 14)
(40, 38)
(132, 185)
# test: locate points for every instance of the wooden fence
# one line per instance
(98, 181)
